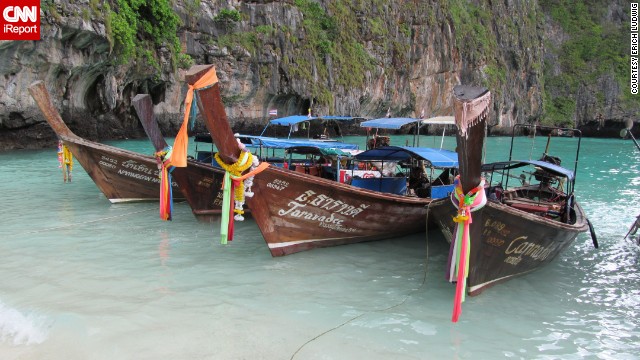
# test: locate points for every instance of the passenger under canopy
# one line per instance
(317, 161)
(406, 170)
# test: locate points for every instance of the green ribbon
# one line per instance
(226, 208)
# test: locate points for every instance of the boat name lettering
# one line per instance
(337, 228)
(492, 240)
(143, 177)
(513, 260)
(107, 164)
(294, 211)
(110, 160)
(524, 248)
(324, 202)
(205, 182)
(137, 167)
(139, 176)
(218, 200)
(278, 184)
(498, 226)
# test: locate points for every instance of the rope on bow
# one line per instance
(234, 182)
(461, 246)
(166, 191)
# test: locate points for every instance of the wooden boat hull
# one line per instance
(125, 176)
(507, 242)
(201, 186)
(201, 183)
(297, 212)
(121, 175)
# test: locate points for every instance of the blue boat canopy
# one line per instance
(339, 118)
(296, 119)
(506, 165)
(277, 143)
(388, 123)
(314, 150)
(291, 120)
(437, 157)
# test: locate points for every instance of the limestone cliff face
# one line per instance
(337, 57)
(587, 66)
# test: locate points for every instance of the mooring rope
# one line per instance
(407, 296)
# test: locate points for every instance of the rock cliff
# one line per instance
(337, 57)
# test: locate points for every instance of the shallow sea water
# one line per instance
(81, 278)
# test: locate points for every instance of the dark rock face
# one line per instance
(415, 53)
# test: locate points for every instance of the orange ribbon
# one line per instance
(181, 144)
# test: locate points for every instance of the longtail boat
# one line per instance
(498, 232)
(200, 182)
(296, 211)
(121, 175)
(633, 230)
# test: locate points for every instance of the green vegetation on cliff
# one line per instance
(330, 40)
(594, 48)
(138, 28)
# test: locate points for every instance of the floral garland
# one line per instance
(245, 160)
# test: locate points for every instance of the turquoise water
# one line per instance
(84, 279)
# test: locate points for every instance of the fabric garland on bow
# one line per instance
(234, 183)
(180, 145)
(166, 191)
(461, 246)
(65, 161)
(176, 156)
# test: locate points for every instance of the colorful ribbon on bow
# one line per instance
(166, 191)
(461, 245)
(176, 156)
(233, 183)
(65, 161)
(181, 144)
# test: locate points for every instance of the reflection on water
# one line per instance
(82, 278)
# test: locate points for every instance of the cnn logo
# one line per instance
(20, 20)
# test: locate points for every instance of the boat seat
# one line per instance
(528, 206)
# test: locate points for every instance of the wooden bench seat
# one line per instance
(528, 206)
